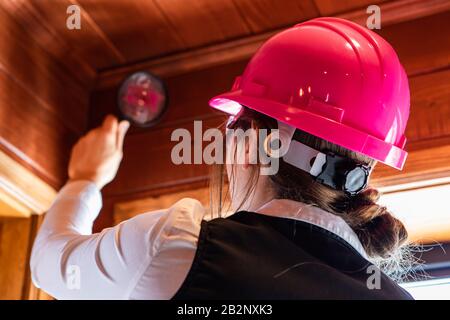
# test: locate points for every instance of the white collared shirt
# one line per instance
(146, 257)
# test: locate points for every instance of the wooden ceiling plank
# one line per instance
(47, 30)
(332, 7)
(203, 22)
(135, 27)
(265, 15)
(88, 43)
(411, 52)
(108, 43)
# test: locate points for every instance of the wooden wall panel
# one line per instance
(148, 171)
(147, 164)
(33, 134)
(428, 159)
(188, 101)
(42, 105)
(30, 291)
(420, 43)
(14, 242)
(129, 209)
(188, 95)
(430, 106)
(151, 148)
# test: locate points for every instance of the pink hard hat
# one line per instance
(333, 79)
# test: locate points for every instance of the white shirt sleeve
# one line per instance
(146, 257)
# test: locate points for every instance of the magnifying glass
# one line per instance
(142, 99)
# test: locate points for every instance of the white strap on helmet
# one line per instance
(293, 152)
(330, 169)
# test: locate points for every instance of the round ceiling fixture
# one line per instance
(142, 99)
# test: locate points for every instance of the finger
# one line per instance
(110, 123)
(121, 132)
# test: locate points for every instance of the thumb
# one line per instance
(121, 132)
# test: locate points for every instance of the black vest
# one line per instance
(254, 256)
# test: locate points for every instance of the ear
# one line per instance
(251, 147)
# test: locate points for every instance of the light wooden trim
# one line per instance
(23, 190)
(241, 49)
(427, 163)
(11, 207)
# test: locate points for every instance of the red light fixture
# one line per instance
(142, 99)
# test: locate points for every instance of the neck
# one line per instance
(262, 194)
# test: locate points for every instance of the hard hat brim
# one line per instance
(317, 125)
